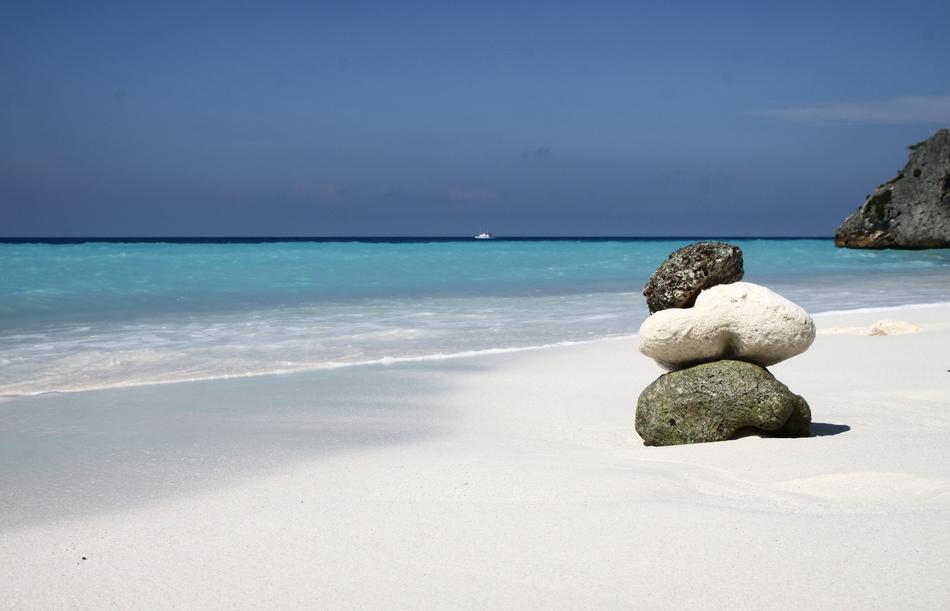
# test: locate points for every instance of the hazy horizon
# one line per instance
(381, 237)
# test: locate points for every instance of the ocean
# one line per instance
(79, 315)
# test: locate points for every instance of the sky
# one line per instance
(441, 119)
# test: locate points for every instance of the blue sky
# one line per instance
(531, 118)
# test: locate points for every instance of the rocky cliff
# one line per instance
(910, 211)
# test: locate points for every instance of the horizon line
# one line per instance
(354, 238)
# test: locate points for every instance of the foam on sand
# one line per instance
(892, 327)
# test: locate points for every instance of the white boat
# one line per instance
(484, 236)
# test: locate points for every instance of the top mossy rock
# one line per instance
(690, 270)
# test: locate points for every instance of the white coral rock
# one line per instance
(741, 321)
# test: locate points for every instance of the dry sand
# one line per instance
(531, 489)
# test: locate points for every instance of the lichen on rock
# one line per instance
(719, 401)
(689, 270)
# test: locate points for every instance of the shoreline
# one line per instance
(502, 480)
(435, 357)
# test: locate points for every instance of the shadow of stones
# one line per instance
(79, 454)
(826, 429)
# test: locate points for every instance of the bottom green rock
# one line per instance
(719, 401)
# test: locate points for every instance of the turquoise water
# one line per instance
(94, 315)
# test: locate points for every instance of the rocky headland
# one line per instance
(912, 210)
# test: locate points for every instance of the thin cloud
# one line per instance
(539, 153)
(900, 110)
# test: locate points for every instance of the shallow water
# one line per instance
(99, 315)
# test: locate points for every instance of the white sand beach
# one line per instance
(503, 481)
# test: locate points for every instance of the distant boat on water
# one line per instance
(484, 236)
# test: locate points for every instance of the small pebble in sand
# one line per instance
(892, 327)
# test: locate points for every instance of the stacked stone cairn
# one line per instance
(716, 336)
